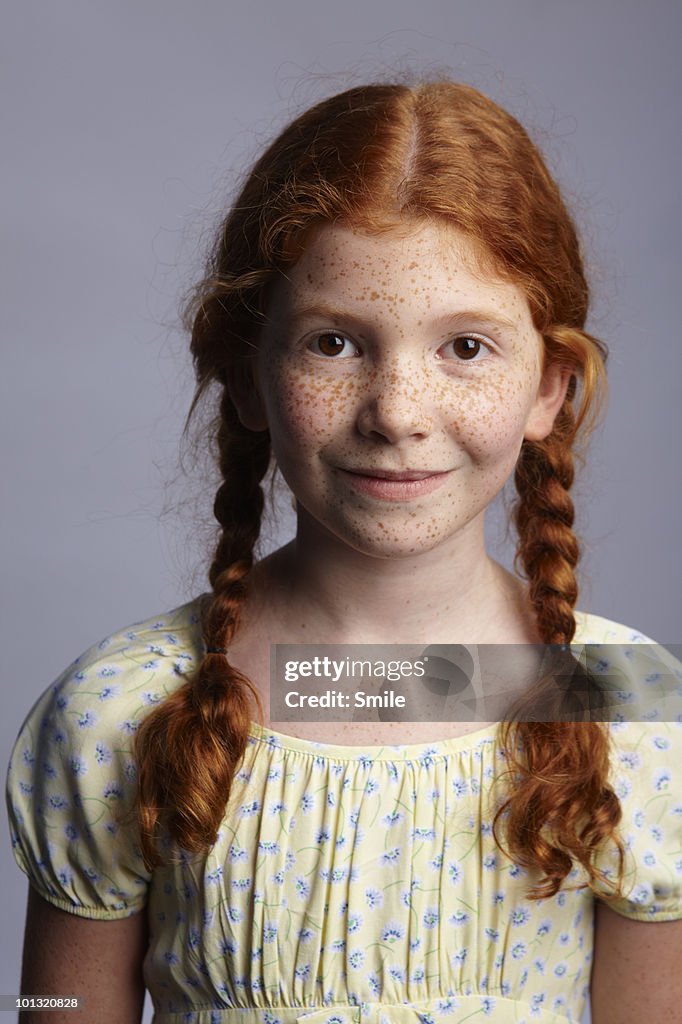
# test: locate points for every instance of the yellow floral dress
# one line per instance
(347, 884)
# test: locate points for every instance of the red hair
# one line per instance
(369, 157)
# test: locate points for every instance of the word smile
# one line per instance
(339, 699)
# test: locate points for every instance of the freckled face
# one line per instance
(397, 382)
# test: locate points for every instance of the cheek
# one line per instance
(304, 413)
(490, 420)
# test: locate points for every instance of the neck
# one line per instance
(318, 590)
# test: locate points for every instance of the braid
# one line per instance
(190, 746)
(562, 808)
(548, 547)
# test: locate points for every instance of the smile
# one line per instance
(394, 485)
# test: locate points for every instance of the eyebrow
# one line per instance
(331, 311)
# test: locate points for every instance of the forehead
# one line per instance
(425, 261)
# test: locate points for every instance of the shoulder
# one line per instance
(595, 629)
(643, 679)
(96, 704)
(111, 683)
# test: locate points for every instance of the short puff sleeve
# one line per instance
(72, 778)
(647, 777)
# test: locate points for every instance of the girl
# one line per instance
(394, 313)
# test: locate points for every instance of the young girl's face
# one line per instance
(398, 381)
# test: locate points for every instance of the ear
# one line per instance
(549, 399)
(242, 386)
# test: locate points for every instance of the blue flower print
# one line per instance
(622, 788)
(392, 818)
(426, 760)
(356, 959)
(454, 872)
(149, 698)
(228, 946)
(392, 932)
(78, 765)
(374, 898)
(423, 833)
(269, 847)
(109, 691)
(249, 810)
(102, 753)
(391, 856)
(335, 875)
(374, 984)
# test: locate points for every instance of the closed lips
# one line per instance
(388, 474)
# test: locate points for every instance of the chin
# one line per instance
(388, 544)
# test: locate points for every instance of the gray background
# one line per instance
(123, 126)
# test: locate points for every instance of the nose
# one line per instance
(396, 406)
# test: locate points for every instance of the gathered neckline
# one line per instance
(422, 752)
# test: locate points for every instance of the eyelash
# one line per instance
(483, 343)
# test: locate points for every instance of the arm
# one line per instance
(100, 961)
(637, 971)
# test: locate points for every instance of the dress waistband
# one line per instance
(442, 1010)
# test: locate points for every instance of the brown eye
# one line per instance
(333, 344)
(466, 347)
